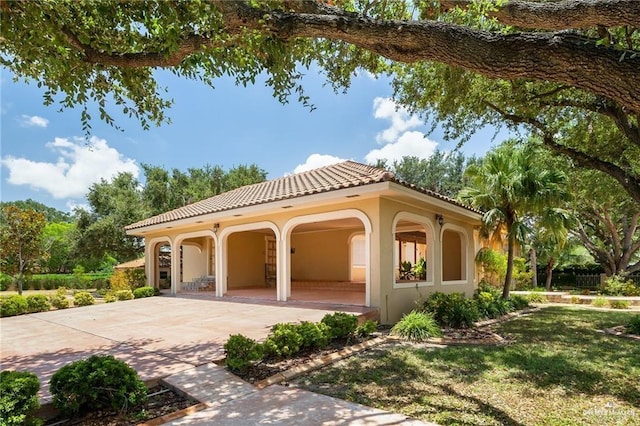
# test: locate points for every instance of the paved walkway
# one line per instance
(233, 402)
(157, 336)
(178, 338)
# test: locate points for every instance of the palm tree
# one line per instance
(508, 185)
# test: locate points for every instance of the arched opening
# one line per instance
(413, 251)
(194, 269)
(251, 262)
(454, 259)
(327, 258)
(157, 263)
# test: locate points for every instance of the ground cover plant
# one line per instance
(558, 370)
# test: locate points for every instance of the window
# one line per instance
(413, 251)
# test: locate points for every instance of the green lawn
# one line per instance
(558, 371)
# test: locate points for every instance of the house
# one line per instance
(348, 233)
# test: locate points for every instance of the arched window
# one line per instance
(413, 251)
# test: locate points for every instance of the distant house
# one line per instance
(348, 233)
(163, 265)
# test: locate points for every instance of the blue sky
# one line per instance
(44, 155)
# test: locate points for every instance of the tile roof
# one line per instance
(325, 179)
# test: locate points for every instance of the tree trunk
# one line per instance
(534, 267)
(510, 256)
(550, 265)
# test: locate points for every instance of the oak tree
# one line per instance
(568, 71)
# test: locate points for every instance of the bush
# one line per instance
(96, 383)
(283, 341)
(634, 325)
(462, 312)
(5, 281)
(536, 297)
(416, 326)
(341, 324)
(600, 302)
(110, 297)
(617, 286)
(83, 298)
(314, 335)
(619, 304)
(124, 295)
(241, 352)
(519, 302)
(128, 279)
(452, 310)
(18, 398)
(366, 328)
(13, 305)
(141, 292)
(37, 303)
(59, 300)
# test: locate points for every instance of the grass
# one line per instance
(559, 371)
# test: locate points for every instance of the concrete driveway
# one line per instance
(157, 336)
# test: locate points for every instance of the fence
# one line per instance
(579, 279)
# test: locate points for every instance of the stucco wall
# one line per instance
(194, 262)
(245, 267)
(394, 301)
(320, 255)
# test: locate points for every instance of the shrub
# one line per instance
(110, 297)
(536, 297)
(124, 294)
(452, 310)
(283, 341)
(59, 300)
(141, 292)
(617, 286)
(619, 304)
(600, 302)
(314, 335)
(416, 326)
(241, 352)
(13, 305)
(633, 326)
(341, 324)
(366, 328)
(18, 398)
(96, 383)
(519, 302)
(462, 312)
(83, 298)
(38, 303)
(129, 279)
(5, 281)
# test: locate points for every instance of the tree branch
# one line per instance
(629, 183)
(557, 57)
(559, 15)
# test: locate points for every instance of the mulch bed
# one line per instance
(161, 401)
(270, 367)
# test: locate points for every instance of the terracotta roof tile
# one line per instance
(330, 178)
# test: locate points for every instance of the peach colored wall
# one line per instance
(321, 255)
(451, 256)
(245, 267)
(194, 262)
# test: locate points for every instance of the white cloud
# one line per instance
(317, 160)
(400, 118)
(33, 121)
(413, 144)
(79, 165)
(398, 139)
